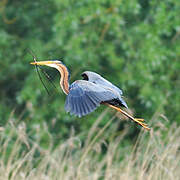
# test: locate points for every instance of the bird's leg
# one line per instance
(138, 121)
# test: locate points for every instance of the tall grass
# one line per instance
(153, 155)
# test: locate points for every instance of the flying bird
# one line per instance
(84, 96)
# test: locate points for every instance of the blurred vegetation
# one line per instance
(134, 44)
(152, 156)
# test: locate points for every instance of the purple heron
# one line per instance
(84, 96)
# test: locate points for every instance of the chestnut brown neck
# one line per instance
(64, 81)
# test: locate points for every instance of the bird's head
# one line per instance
(65, 75)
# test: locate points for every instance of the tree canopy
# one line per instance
(134, 44)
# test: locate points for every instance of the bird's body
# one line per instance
(84, 96)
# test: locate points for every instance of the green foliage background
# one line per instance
(134, 44)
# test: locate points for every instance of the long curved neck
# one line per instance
(64, 81)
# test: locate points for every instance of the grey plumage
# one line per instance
(86, 95)
(98, 79)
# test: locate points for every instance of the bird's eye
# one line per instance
(85, 77)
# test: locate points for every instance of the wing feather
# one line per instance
(83, 105)
(86, 105)
(84, 97)
(91, 103)
(75, 106)
(78, 108)
(83, 110)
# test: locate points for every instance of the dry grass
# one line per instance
(153, 156)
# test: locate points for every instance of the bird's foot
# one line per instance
(141, 123)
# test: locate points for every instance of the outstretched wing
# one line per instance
(84, 97)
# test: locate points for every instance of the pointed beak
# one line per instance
(42, 63)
